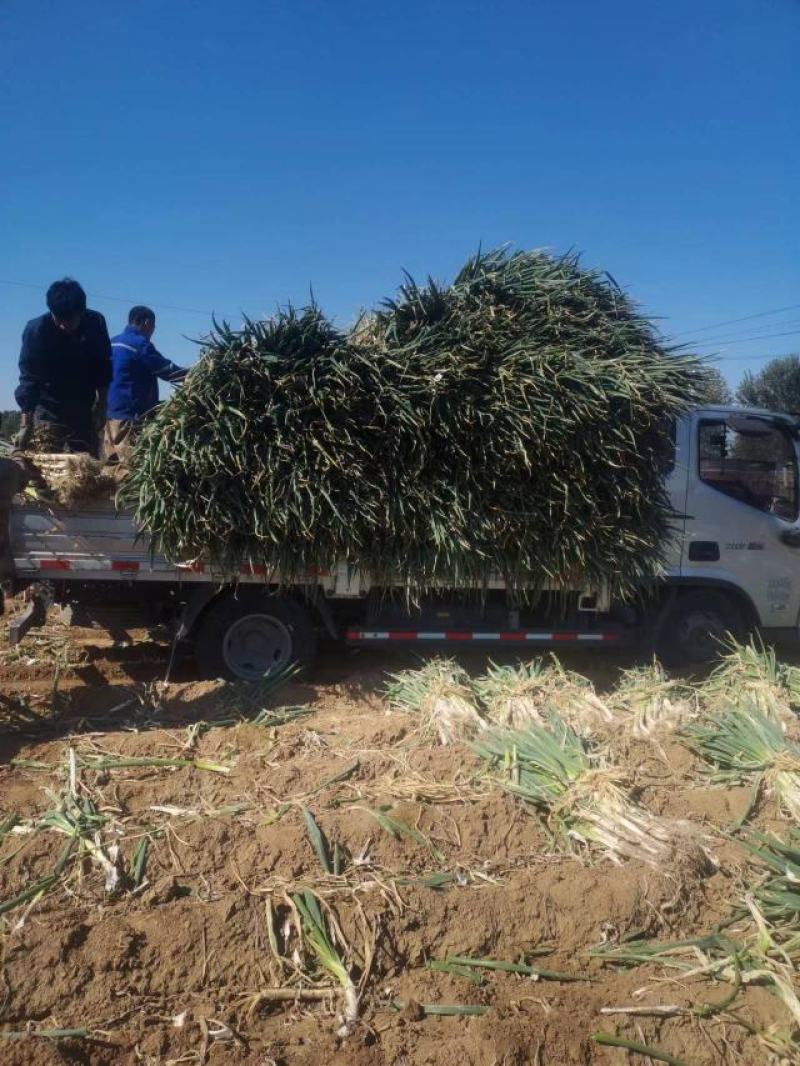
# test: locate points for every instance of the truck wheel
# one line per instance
(250, 635)
(695, 627)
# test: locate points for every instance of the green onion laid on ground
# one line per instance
(583, 800)
(751, 676)
(440, 693)
(650, 703)
(515, 696)
(743, 744)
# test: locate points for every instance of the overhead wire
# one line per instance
(734, 321)
(736, 338)
(754, 332)
(750, 358)
(113, 299)
(746, 340)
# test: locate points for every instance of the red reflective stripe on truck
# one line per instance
(55, 564)
(514, 636)
(124, 565)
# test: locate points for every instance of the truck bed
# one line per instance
(98, 542)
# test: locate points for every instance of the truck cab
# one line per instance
(734, 565)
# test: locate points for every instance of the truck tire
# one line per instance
(695, 627)
(249, 635)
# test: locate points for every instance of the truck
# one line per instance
(731, 568)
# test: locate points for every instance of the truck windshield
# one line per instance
(758, 470)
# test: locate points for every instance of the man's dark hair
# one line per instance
(139, 315)
(66, 298)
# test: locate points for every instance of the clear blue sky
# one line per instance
(225, 156)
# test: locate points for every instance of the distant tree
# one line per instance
(9, 423)
(714, 388)
(776, 386)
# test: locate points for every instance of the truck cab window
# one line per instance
(758, 468)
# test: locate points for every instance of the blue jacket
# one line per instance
(137, 365)
(61, 373)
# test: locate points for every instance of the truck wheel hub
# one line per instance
(257, 645)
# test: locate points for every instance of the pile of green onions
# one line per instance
(440, 693)
(553, 770)
(512, 423)
(742, 743)
(516, 696)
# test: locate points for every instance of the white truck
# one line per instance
(733, 567)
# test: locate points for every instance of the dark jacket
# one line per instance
(61, 373)
(137, 367)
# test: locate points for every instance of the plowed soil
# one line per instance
(181, 967)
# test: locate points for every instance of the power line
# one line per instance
(743, 318)
(751, 358)
(113, 299)
(750, 340)
(756, 333)
(734, 339)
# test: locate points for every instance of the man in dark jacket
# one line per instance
(64, 371)
(137, 366)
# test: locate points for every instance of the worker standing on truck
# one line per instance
(64, 372)
(137, 366)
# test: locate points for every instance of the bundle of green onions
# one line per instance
(750, 675)
(778, 895)
(651, 702)
(513, 423)
(440, 693)
(552, 769)
(743, 743)
(516, 696)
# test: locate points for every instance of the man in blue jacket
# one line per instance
(64, 371)
(137, 366)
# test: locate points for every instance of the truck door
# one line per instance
(742, 501)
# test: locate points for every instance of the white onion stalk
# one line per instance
(516, 696)
(552, 769)
(750, 677)
(440, 693)
(318, 938)
(745, 743)
(653, 704)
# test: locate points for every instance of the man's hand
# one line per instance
(22, 437)
(99, 410)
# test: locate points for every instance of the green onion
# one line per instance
(445, 1010)
(397, 829)
(318, 841)
(609, 1040)
(318, 938)
(515, 696)
(440, 693)
(554, 771)
(514, 422)
(516, 967)
(742, 743)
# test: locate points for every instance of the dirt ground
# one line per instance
(179, 961)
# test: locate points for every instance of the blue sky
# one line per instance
(206, 156)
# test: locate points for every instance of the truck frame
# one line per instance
(731, 568)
